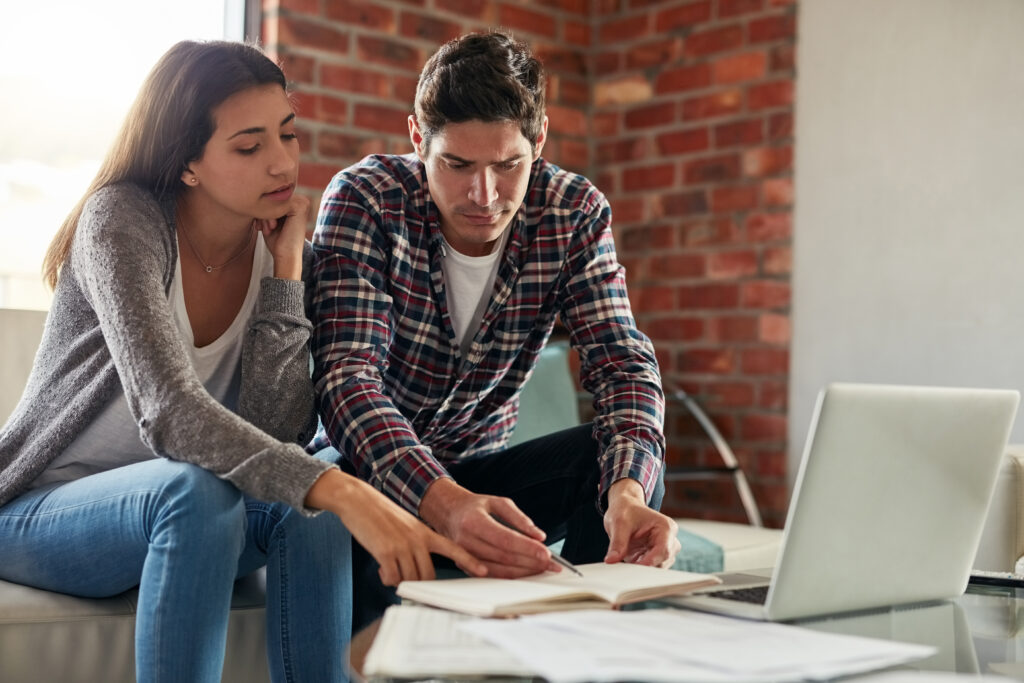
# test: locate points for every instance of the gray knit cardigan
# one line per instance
(110, 325)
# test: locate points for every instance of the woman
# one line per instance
(159, 439)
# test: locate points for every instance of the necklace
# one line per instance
(204, 264)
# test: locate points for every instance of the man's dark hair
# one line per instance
(481, 76)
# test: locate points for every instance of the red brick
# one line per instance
(714, 296)
(465, 8)
(778, 261)
(427, 28)
(574, 156)
(316, 176)
(684, 16)
(732, 265)
(743, 133)
(733, 8)
(715, 40)
(654, 299)
(605, 124)
(733, 328)
(683, 141)
(683, 78)
(780, 126)
(763, 427)
(777, 192)
(766, 294)
(365, 14)
(712, 169)
(298, 69)
(354, 80)
(774, 329)
(770, 95)
(727, 394)
(606, 63)
(576, 32)
(765, 361)
(403, 89)
(617, 151)
(645, 237)
(566, 120)
(709, 232)
(675, 266)
(391, 52)
(767, 161)
(355, 147)
(621, 30)
(783, 58)
(675, 329)
(773, 395)
(768, 29)
(573, 92)
(522, 19)
(684, 203)
(769, 227)
(295, 31)
(748, 66)
(322, 108)
(657, 53)
(625, 90)
(717, 104)
(715, 361)
(734, 198)
(605, 181)
(381, 118)
(558, 59)
(628, 209)
(581, 7)
(651, 115)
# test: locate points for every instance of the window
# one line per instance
(70, 71)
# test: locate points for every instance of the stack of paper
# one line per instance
(601, 645)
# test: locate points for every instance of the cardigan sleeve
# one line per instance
(121, 254)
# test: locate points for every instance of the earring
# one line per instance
(193, 180)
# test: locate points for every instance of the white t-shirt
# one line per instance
(468, 282)
(112, 439)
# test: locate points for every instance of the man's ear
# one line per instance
(541, 139)
(416, 137)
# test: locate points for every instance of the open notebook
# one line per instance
(602, 585)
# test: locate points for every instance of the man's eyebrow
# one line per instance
(249, 131)
(460, 160)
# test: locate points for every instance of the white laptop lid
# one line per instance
(890, 500)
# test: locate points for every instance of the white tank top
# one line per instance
(112, 439)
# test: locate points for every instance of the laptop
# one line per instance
(888, 507)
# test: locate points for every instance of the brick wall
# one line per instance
(680, 111)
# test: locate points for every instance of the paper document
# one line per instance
(416, 641)
(678, 645)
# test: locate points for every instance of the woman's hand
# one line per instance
(285, 236)
(399, 542)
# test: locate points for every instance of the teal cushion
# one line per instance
(698, 554)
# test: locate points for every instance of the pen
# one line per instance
(554, 556)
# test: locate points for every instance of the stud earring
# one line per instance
(193, 180)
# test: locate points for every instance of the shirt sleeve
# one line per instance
(618, 366)
(276, 391)
(352, 320)
(120, 256)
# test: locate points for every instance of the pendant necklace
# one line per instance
(208, 268)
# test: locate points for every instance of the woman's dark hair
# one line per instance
(169, 124)
(481, 76)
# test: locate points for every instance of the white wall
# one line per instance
(909, 220)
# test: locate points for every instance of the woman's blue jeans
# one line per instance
(183, 536)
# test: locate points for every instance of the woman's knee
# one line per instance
(191, 495)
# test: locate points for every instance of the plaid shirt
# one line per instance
(397, 398)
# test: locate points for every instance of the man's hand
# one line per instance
(399, 542)
(638, 534)
(471, 520)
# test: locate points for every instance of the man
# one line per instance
(440, 276)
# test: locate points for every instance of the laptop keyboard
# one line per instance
(756, 595)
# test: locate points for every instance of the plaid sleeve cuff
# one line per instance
(629, 463)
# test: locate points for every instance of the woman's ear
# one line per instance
(189, 178)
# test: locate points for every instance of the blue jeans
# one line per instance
(183, 536)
